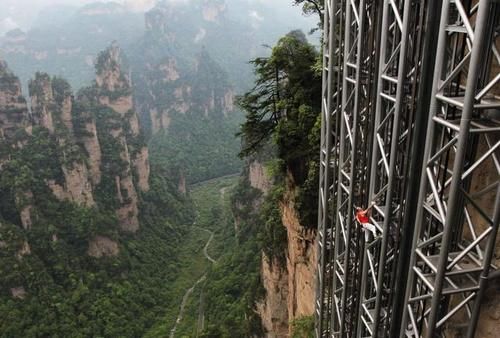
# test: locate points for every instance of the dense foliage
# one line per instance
(284, 107)
(68, 293)
(233, 285)
(50, 285)
(199, 148)
(63, 292)
(281, 132)
(303, 327)
(199, 143)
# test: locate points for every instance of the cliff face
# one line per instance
(73, 190)
(181, 80)
(87, 150)
(52, 107)
(258, 177)
(90, 145)
(13, 106)
(300, 260)
(200, 88)
(273, 309)
(88, 138)
(113, 90)
(289, 285)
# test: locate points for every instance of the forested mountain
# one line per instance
(81, 212)
(99, 229)
(175, 52)
(274, 203)
(68, 46)
(65, 40)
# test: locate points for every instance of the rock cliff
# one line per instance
(13, 105)
(93, 139)
(300, 260)
(273, 309)
(289, 284)
(200, 88)
(52, 108)
(258, 177)
(114, 91)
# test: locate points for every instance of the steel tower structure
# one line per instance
(423, 150)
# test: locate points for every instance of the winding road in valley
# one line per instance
(197, 184)
(189, 291)
(201, 279)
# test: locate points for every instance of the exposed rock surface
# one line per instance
(273, 309)
(169, 70)
(101, 246)
(24, 203)
(42, 101)
(141, 167)
(258, 177)
(92, 147)
(181, 186)
(198, 87)
(77, 184)
(289, 285)
(128, 212)
(86, 142)
(114, 91)
(52, 106)
(24, 250)
(13, 107)
(18, 292)
(301, 261)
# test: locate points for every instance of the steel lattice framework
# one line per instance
(429, 263)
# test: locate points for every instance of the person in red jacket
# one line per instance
(363, 218)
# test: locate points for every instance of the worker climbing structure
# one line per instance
(411, 127)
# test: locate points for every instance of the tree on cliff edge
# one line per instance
(285, 99)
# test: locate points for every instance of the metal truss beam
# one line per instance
(360, 36)
(455, 230)
(394, 118)
(332, 65)
(436, 232)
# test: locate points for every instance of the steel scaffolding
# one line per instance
(331, 105)
(429, 261)
(455, 230)
(394, 114)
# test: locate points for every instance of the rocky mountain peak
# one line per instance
(51, 102)
(102, 8)
(109, 72)
(213, 10)
(13, 107)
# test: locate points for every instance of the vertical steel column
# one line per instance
(351, 175)
(389, 155)
(455, 213)
(323, 277)
(429, 22)
(340, 244)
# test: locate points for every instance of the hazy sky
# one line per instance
(22, 13)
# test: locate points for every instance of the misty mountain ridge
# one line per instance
(68, 46)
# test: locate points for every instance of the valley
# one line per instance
(131, 203)
(206, 239)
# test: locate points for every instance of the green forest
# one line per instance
(193, 264)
